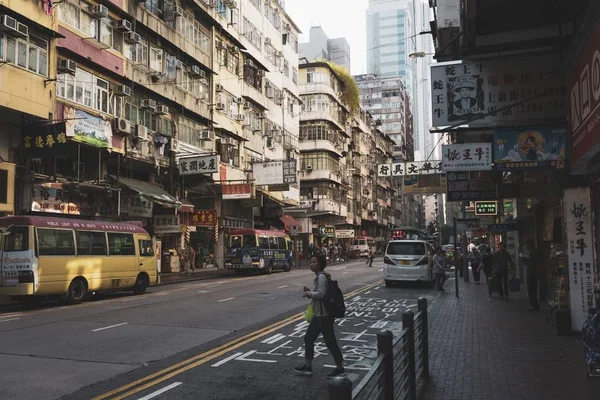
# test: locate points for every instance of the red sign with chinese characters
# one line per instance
(584, 99)
(237, 191)
(203, 218)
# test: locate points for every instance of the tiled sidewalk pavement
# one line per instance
(488, 348)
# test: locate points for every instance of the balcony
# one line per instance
(317, 88)
(254, 94)
(311, 145)
(332, 206)
(323, 116)
(320, 175)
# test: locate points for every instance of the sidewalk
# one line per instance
(488, 348)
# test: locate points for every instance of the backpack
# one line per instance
(334, 299)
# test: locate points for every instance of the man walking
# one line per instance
(439, 269)
(532, 263)
(503, 262)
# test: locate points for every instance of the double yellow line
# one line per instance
(193, 362)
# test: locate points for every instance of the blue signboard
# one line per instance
(521, 149)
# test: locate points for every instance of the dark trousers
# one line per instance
(317, 326)
(502, 278)
(532, 290)
(440, 278)
(476, 272)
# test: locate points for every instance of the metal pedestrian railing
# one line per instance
(401, 363)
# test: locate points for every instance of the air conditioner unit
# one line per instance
(207, 134)
(179, 64)
(249, 62)
(178, 11)
(148, 104)
(121, 125)
(287, 27)
(123, 90)
(239, 100)
(174, 145)
(233, 4)
(260, 72)
(202, 75)
(67, 66)
(162, 110)
(123, 25)
(220, 106)
(218, 87)
(141, 132)
(234, 49)
(240, 117)
(8, 23)
(279, 53)
(100, 11)
(270, 92)
(133, 38)
(194, 70)
(247, 106)
(309, 167)
(268, 42)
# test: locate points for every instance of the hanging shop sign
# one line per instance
(203, 218)
(236, 223)
(39, 138)
(167, 224)
(484, 93)
(344, 233)
(409, 168)
(425, 184)
(327, 231)
(237, 191)
(527, 149)
(461, 187)
(140, 207)
(583, 94)
(486, 208)
(86, 128)
(59, 198)
(199, 165)
(275, 172)
(467, 157)
(578, 225)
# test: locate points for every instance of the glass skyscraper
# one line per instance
(386, 33)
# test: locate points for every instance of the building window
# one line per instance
(138, 116)
(191, 84)
(257, 4)
(228, 57)
(230, 153)
(193, 31)
(86, 89)
(138, 53)
(188, 131)
(319, 160)
(318, 131)
(252, 76)
(252, 34)
(30, 53)
(286, 68)
(295, 75)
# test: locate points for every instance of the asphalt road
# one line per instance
(233, 338)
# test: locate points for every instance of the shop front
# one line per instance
(203, 235)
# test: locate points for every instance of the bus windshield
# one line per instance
(239, 241)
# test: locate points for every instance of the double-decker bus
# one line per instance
(258, 250)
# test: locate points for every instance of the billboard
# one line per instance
(467, 157)
(530, 148)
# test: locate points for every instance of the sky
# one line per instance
(338, 18)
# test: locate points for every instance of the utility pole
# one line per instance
(463, 244)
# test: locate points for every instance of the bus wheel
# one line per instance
(141, 284)
(77, 291)
(288, 267)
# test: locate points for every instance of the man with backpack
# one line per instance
(327, 303)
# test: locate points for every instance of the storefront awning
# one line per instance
(150, 191)
(187, 206)
(289, 221)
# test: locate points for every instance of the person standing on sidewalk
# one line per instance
(532, 263)
(321, 323)
(503, 262)
(439, 269)
(487, 260)
(475, 259)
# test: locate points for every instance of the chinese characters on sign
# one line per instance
(237, 191)
(344, 233)
(140, 207)
(410, 168)
(467, 157)
(486, 208)
(45, 140)
(236, 223)
(199, 165)
(462, 187)
(203, 218)
(483, 91)
(526, 149)
(166, 224)
(289, 171)
(327, 231)
(275, 172)
(578, 224)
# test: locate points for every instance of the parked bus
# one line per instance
(47, 256)
(361, 245)
(258, 250)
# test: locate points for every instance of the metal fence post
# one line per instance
(385, 346)
(340, 389)
(408, 322)
(424, 335)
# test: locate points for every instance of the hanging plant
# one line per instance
(349, 89)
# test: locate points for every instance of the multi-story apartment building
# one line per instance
(340, 146)
(321, 47)
(160, 110)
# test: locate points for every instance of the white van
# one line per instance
(408, 260)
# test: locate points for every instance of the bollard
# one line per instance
(408, 322)
(422, 302)
(385, 346)
(340, 389)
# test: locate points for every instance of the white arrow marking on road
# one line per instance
(161, 391)
(108, 327)
(230, 298)
(12, 319)
(244, 357)
(338, 268)
(281, 287)
(223, 361)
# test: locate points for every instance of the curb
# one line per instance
(195, 279)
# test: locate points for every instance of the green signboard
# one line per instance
(486, 208)
(327, 231)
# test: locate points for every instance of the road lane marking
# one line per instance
(109, 327)
(162, 293)
(281, 287)
(273, 339)
(230, 298)
(161, 391)
(7, 320)
(338, 268)
(203, 291)
(134, 298)
(381, 270)
(244, 357)
(225, 360)
(345, 273)
(200, 359)
(11, 315)
(345, 367)
(367, 292)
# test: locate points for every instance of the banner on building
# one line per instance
(467, 157)
(167, 224)
(206, 218)
(39, 138)
(409, 168)
(425, 184)
(327, 231)
(59, 198)
(578, 225)
(140, 207)
(199, 165)
(508, 91)
(344, 233)
(86, 128)
(275, 172)
(528, 149)
(237, 191)
(464, 186)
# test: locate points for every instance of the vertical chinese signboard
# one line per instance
(578, 223)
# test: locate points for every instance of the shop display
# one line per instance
(557, 295)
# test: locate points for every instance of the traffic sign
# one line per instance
(294, 230)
